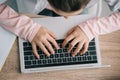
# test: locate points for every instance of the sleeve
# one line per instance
(114, 5)
(20, 25)
(100, 26)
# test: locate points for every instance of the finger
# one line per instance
(84, 50)
(42, 47)
(53, 42)
(69, 38)
(48, 45)
(78, 48)
(51, 34)
(35, 50)
(72, 44)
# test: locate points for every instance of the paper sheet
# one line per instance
(6, 41)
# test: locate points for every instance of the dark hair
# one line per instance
(68, 5)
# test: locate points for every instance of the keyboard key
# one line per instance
(49, 61)
(60, 41)
(59, 60)
(92, 44)
(34, 62)
(25, 44)
(61, 55)
(74, 59)
(66, 55)
(79, 58)
(73, 49)
(41, 56)
(26, 58)
(56, 51)
(56, 55)
(28, 53)
(27, 63)
(92, 52)
(44, 61)
(32, 58)
(39, 62)
(64, 59)
(54, 60)
(94, 57)
(59, 50)
(89, 58)
(64, 50)
(52, 56)
(91, 48)
(27, 48)
(40, 52)
(60, 45)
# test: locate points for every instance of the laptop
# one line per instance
(61, 60)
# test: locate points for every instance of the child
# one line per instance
(24, 27)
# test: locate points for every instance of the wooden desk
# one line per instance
(110, 53)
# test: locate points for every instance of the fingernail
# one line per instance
(63, 45)
(53, 52)
(58, 47)
(38, 57)
(73, 55)
(68, 51)
(81, 53)
(48, 55)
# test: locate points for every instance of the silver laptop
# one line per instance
(61, 60)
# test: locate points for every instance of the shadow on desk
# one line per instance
(110, 53)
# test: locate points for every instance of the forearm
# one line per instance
(99, 26)
(20, 25)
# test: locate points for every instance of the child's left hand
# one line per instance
(78, 37)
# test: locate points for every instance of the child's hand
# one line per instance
(44, 39)
(78, 37)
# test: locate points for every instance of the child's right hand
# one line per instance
(44, 39)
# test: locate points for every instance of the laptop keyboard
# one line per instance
(60, 58)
